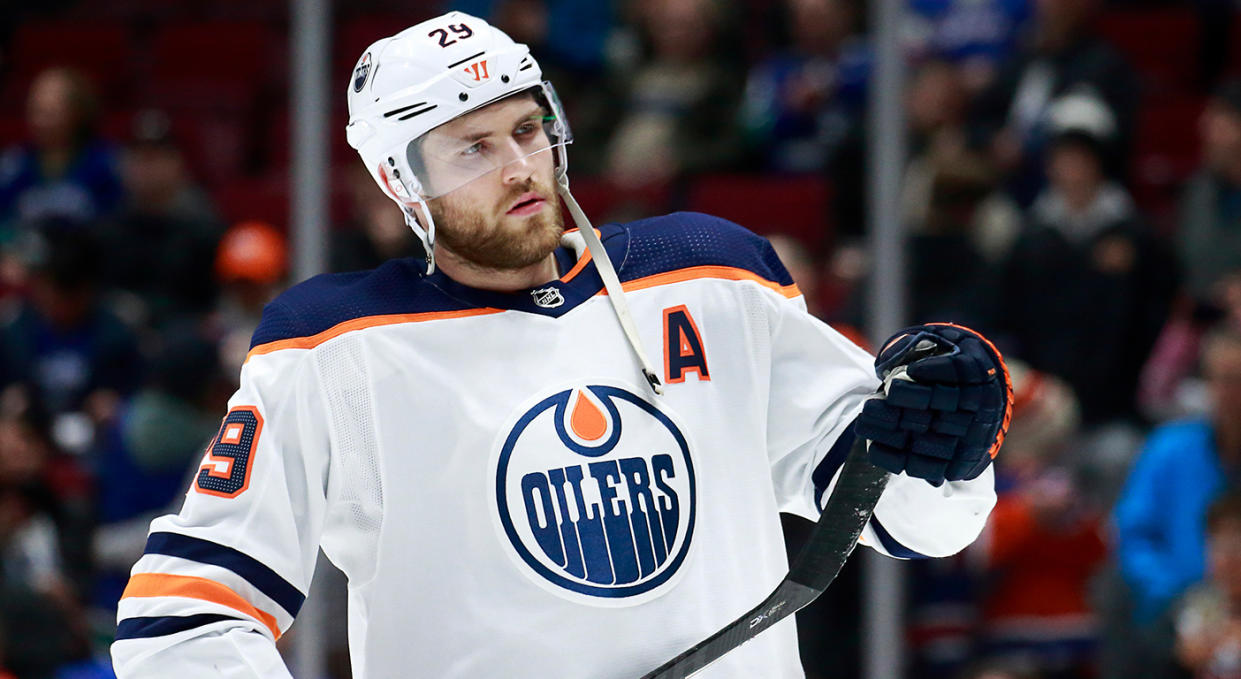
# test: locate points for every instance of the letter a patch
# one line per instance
(683, 349)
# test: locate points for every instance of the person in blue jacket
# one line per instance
(1161, 514)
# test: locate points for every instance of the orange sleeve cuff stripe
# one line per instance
(360, 323)
(719, 272)
(146, 585)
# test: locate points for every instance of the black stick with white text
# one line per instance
(834, 536)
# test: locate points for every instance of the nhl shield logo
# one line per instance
(547, 298)
(595, 493)
(361, 72)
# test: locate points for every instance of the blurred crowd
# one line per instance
(1072, 191)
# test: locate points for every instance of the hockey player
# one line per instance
(537, 452)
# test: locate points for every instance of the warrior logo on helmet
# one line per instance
(361, 72)
(595, 495)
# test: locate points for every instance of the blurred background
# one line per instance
(1073, 190)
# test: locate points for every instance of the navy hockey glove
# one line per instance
(947, 408)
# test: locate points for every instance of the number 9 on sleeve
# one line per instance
(225, 471)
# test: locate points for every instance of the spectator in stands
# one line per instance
(950, 275)
(1161, 515)
(148, 452)
(1209, 225)
(1064, 57)
(958, 224)
(802, 102)
(978, 36)
(1208, 622)
(1019, 593)
(62, 340)
(1088, 285)
(250, 265)
(1045, 540)
(64, 170)
(1170, 385)
(161, 243)
(678, 106)
(939, 146)
(40, 537)
(376, 231)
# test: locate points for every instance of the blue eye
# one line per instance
(473, 149)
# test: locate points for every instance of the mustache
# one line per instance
(544, 191)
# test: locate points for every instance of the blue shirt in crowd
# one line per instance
(1161, 514)
(89, 188)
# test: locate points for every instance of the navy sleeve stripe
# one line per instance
(890, 545)
(204, 551)
(162, 626)
(831, 463)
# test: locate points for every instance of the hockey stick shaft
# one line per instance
(834, 536)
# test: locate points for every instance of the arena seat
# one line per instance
(1160, 43)
(265, 198)
(1166, 152)
(214, 62)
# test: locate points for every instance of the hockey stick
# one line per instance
(834, 536)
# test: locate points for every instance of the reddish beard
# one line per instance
(484, 240)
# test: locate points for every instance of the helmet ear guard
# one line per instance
(413, 207)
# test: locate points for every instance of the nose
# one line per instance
(517, 167)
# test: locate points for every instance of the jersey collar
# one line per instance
(580, 282)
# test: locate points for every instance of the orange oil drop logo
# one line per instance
(587, 420)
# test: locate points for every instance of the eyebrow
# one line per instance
(475, 136)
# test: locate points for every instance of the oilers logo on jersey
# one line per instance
(595, 494)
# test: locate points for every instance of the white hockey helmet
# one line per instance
(406, 86)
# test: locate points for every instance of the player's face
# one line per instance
(507, 214)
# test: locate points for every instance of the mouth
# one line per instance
(527, 204)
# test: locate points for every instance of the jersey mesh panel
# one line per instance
(685, 239)
(345, 377)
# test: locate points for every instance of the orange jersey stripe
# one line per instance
(145, 585)
(577, 268)
(696, 272)
(680, 275)
(361, 323)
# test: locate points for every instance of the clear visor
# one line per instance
(525, 127)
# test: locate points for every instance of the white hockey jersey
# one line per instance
(506, 495)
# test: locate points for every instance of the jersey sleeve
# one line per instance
(220, 582)
(819, 382)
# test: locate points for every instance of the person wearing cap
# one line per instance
(250, 267)
(1088, 285)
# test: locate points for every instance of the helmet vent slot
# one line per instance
(403, 109)
(419, 112)
(472, 56)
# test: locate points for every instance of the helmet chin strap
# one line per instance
(611, 282)
(425, 236)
